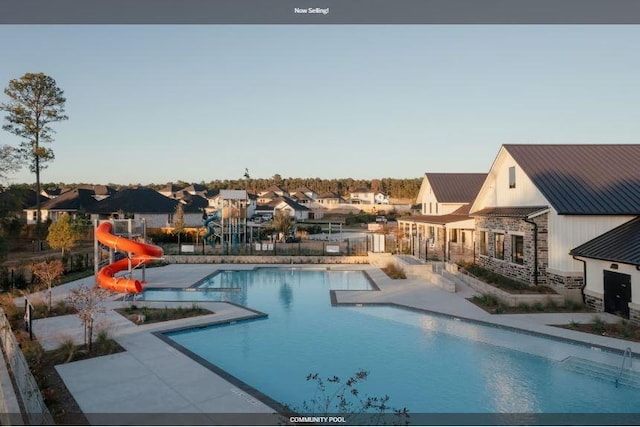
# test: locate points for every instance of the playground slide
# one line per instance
(211, 232)
(142, 254)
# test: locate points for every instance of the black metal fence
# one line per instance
(346, 247)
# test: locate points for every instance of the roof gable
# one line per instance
(584, 179)
(72, 200)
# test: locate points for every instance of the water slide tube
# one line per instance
(208, 237)
(142, 254)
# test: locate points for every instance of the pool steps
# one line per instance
(603, 371)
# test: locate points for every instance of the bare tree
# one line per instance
(88, 302)
(48, 272)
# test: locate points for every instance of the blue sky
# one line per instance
(162, 103)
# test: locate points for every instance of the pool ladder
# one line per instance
(627, 352)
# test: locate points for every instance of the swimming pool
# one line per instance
(427, 363)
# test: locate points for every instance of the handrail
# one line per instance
(627, 352)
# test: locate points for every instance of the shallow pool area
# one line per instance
(425, 362)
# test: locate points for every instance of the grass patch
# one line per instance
(622, 330)
(502, 282)
(152, 315)
(393, 271)
(76, 275)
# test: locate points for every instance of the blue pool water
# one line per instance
(426, 363)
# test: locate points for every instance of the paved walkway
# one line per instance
(151, 377)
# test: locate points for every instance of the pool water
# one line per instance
(426, 363)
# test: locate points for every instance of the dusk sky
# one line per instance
(196, 103)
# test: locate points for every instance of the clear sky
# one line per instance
(162, 103)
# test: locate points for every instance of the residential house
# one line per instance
(52, 193)
(14, 201)
(329, 198)
(362, 195)
(539, 202)
(72, 202)
(170, 190)
(445, 229)
(195, 190)
(275, 189)
(267, 197)
(380, 198)
(291, 208)
(144, 203)
(612, 270)
(310, 194)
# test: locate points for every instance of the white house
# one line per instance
(541, 201)
(362, 195)
(612, 270)
(445, 225)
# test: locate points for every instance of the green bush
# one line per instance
(598, 325)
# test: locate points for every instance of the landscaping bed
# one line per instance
(393, 271)
(502, 282)
(152, 315)
(622, 330)
(494, 305)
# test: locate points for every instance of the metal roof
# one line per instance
(584, 179)
(622, 244)
(456, 187)
(511, 211)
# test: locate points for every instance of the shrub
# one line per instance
(104, 343)
(598, 325)
(68, 350)
(573, 324)
(394, 272)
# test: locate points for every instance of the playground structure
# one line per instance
(112, 235)
(229, 223)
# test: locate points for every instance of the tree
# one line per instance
(178, 222)
(62, 233)
(9, 161)
(88, 303)
(4, 246)
(47, 273)
(35, 101)
(282, 223)
(335, 396)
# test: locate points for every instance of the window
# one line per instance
(517, 249)
(436, 207)
(498, 247)
(484, 243)
(454, 235)
(430, 207)
(512, 177)
(432, 232)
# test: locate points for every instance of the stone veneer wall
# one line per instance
(634, 313)
(524, 272)
(565, 282)
(594, 302)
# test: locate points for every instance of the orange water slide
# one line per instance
(142, 253)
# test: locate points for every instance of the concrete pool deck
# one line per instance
(152, 379)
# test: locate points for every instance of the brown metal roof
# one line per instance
(456, 187)
(584, 179)
(622, 244)
(511, 211)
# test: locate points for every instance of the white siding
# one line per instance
(496, 192)
(153, 220)
(568, 231)
(595, 277)
(446, 208)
